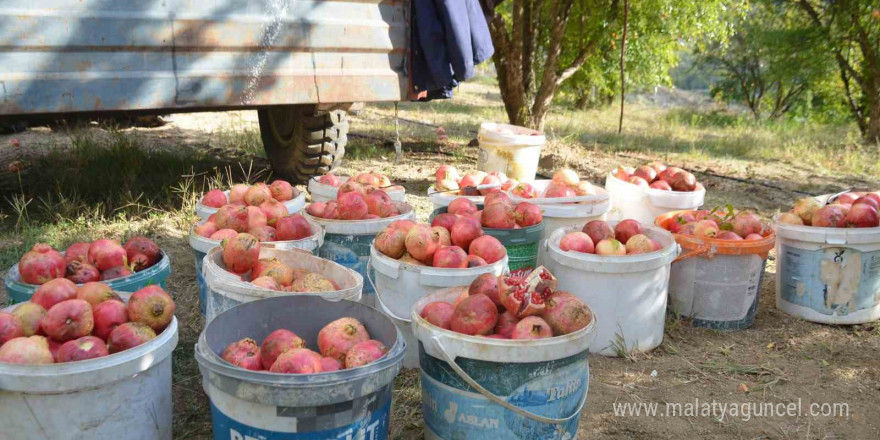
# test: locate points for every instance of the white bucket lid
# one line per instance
(445, 198)
(512, 135)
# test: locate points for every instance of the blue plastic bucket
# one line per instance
(157, 274)
(348, 242)
(477, 388)
(201, 246)
(346, 404)
(828, 275)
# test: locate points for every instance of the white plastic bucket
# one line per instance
(322, 192)
(510, 149)
(717, 283)
(345, 404)
(443, 199)
(477, 388)
(202, 245)
(126, 395)
(348, 242)
(628, 293)
(227, 290)
(293, 205)
(399, 285)
(630, 201)
(828, 275)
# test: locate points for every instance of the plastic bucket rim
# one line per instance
(601, 197)
(335, 223)
(325, 188)
(217, 365)
(300, 198)
(164, 262)
(656, 257)
(806, 231)
(210, 256)
(91, 365)
(198, 239)
(719, 246)
(417, 320)
(659, 192)
(522, 136)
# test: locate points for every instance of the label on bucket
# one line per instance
(372, 426)
(522, 258)
(351, 251)
(453, 410)
(831, 281)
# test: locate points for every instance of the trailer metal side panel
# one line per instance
(60, 56)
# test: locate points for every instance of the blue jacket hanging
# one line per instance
(449, 38)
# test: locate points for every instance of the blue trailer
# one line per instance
(301, 63)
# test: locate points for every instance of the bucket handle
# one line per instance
(499, 401)
(379, 297)
(701, 250)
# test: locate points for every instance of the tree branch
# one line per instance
(841, 61)
(623, 64)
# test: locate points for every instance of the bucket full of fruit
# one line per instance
(647, 191)
(269, 197)
(716, 281)
(293, 231)
(511, 350)
(242, 270)
(350, 224)
(124, 267)
(71, 356)
(326, 187)
(621, 270)
(518, 227)
(827, 251)
(566, 200)
(298, 367)
(473, 185)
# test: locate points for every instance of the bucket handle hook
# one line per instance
(499, 401)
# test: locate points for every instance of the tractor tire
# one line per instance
(300, 142)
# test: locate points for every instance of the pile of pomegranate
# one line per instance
(355, 201)
(566, 183)
(368, 179)
(268, 222)
(343, 344)
(498, 212)
(850, 210)
(718, 224)
(241, 256)
(450, 241)
(83, 262)
(511, 307)
(448, 179)
(66, 323)
(658, 176)
(251, 195)
(598, 237)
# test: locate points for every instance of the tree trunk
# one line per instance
(872, 131)
(582, 101)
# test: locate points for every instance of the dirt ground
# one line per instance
(780, 359)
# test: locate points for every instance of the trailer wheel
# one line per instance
(300, 142)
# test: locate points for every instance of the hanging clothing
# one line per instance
(448, 38)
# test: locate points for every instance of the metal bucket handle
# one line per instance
(499, 401)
